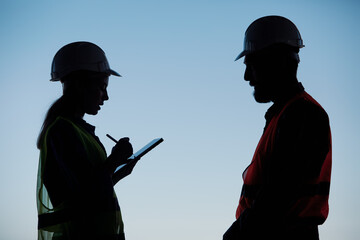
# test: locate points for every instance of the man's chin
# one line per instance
(261, 97)
(93, 112)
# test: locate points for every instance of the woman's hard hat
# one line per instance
(79, 56)
(270, 30)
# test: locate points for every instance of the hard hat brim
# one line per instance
(243, 53)
(112, 72)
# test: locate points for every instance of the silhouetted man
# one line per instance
(286, 186)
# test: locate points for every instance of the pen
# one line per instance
(111, 138)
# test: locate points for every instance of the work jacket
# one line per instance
(75, 194)
(286, 186)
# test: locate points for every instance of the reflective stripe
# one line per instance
(46, 220)
(310, 190)
(323, 188)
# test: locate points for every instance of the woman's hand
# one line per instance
(122, 150)
(119, 154)
(124, 171)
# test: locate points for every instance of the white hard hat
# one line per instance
(270, 30)
(79, 56)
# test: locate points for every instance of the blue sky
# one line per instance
(180, 83)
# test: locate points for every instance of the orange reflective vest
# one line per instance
(313, 203)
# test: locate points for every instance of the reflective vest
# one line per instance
(313, 203)
(57, 222)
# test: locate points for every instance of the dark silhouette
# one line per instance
(286, 186)
(75, 194)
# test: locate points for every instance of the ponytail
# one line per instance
(61, 107)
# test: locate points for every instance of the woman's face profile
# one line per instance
(95, 94)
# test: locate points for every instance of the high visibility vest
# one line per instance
(56, 222)
(313, 203)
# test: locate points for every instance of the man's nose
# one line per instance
(105, 96)
(247, 74)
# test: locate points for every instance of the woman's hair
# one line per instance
(69, 103)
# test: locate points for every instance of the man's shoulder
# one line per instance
(305, 108)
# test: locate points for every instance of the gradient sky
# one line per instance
(180, 82)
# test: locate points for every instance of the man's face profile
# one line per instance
(261, 74)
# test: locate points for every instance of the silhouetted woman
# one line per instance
(75, 194)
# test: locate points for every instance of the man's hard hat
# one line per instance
(270, 30)
(79, 56)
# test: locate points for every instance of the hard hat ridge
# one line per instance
(270, 30)
(78, 56)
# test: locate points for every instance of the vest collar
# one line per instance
(278, 105)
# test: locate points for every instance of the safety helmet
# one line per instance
(270, 30)
(79, 56)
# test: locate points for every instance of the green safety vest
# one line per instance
(57, 222)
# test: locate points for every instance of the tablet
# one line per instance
(147, 148)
